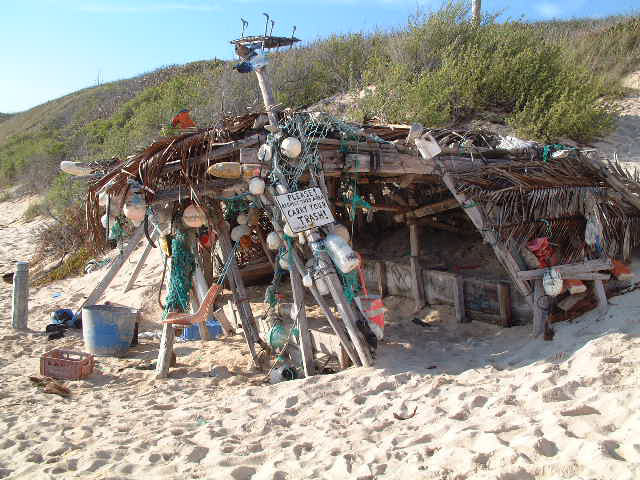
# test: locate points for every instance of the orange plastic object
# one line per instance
(201, 315)
(621, 271)
(183, 120)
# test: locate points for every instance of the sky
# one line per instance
(50, 48)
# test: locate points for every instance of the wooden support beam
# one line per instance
(430, 209)
(141, 261)
(222, 319)
(458, 299)
(540, 308)
(601, 296)
(504, 304)
(238, 290)
(431, 222)
(416, 270)
(569, 271)
(300, 319)
(165, 353)
(209, 187)
(218, 151)
(381, 278)
(114, 268)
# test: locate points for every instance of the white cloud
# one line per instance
(549, 10)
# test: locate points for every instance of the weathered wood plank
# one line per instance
(458, 299)
(416, 270)
(504, 304)
(301, 320)
(430, 209)
(565, 271)
(381, 278)
(540, 308)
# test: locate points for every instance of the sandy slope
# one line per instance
(489, 403)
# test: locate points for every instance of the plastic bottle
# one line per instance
(341, 253)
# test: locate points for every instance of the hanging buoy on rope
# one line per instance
(291, 147)
(105, 218)
(238, 232)
(256, 186)
(135, 207)
(342, 231)
(273, 241)
(341, 253)
(552, 282)
(75, 168)
(193, 216)
(236, 170)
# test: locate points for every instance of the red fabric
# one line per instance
(183, 120)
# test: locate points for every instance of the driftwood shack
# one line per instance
(273, 192)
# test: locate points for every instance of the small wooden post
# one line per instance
(601, 295)
(165, 354)
(475, 7)
(540, 306)
(416, 270)
(504, 304)
(381, 277)
(458, 299)
(306, 347)
(139, 265)
(267, 95)
(220, 316)
(115, 267)
(20, 300)
(200, 290)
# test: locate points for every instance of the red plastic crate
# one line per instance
(66, 364)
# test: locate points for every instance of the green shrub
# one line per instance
(460, 69)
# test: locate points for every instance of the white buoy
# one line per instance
(291, 147)
(75, 168)
(238, 232)
(103, 220)
(256, 186)
(342, 231)
(273, 241)
(193, 216)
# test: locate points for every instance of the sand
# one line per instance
(489, 403)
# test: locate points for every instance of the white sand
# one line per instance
(495, 405)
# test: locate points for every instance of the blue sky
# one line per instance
(54, 47)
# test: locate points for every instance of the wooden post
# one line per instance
(504, 304)
(115, 267)
(349, 318)
(540, 308)
(221, 317)
(475, 8)
(236, 283)
(138, 269)
(458, 299)
(416, 270)
(20, 299)
(268, 253)
(601, 295)
(301, 319)
(339, 329)
(381, 277)
(165, 354)
(267, 95)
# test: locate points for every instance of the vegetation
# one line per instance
(548, 80)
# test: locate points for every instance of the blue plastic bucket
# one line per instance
(108, 330)
(193, 332)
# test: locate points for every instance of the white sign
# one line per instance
(305, 209)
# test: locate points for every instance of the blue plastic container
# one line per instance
(108, 330)
(193, 332)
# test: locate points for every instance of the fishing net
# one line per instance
(182, 265)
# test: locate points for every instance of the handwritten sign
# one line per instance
(305, 209)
